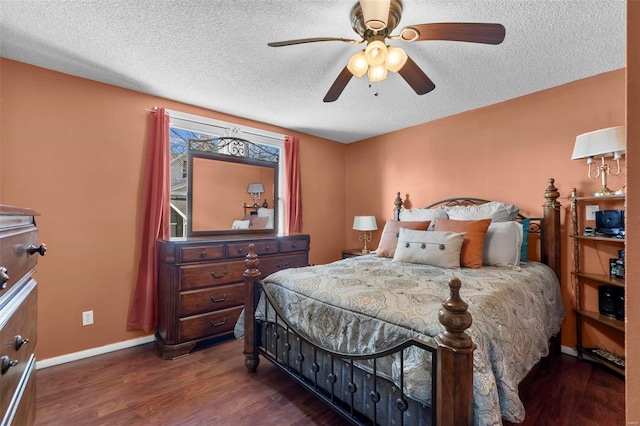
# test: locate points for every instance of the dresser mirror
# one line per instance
(230, 187)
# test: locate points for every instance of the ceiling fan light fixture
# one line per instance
(376, 53)
(358, 65)
(377, 73)
(375, 13)
(396, 58)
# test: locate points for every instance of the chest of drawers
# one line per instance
(18, 313)
(201, 285)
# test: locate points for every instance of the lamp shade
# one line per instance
(608, 142)
(376, 53)
(255, 188)
(396, 58)
(365, 223)
(377, 73)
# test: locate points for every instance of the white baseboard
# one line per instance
(568, 350)
(62, 359)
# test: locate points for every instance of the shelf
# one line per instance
(602, 319)
(594, 198)
(592, 352)
(607, 239)
(606, 279)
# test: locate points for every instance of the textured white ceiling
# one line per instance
(214, 54)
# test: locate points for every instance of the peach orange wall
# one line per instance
(633, 217)
(505, 152)
(73, 149)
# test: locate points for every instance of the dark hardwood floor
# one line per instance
(212, 387)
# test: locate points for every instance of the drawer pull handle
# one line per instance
(41, 249)
(267, 248)
(220, 299)
(293, 245)
(214, 275)
(240, 250)
(203, 253)
(4, 277)
(286, 265)
(218, 324)
(20, 341)
(7, 363)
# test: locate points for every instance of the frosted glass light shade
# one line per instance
(365, 223)
(377, 73)
(376, 53)
(358, 65)
(396, 58)
(609, 142)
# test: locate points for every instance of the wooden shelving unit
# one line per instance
(585, 277)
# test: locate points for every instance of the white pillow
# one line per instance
(264, 212)
(494, 210)
(241, 224)
(502, 244)
(436, 248)
(414, 215)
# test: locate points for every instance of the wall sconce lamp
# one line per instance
(256, 190)
(609, 142)
(365, 224)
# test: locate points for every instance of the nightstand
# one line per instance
(355, 252)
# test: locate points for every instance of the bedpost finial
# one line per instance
(398, 201)
(552, 195)
(251, 262)
(455, 318)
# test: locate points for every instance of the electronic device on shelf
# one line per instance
(610, 223)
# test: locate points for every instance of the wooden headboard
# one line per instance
(547, 226)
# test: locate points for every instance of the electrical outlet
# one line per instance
(590, 212)
(87, 318)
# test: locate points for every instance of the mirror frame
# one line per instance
(230, 159)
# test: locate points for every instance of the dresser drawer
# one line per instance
(19, 326)
(262, 248)
(293, 245)
(210, 324)
(201, 253)
(14, 256)
(212, 274)
(210, 299)
(268, 266)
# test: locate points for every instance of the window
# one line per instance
(200, 133)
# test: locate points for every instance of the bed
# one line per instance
(372, 337)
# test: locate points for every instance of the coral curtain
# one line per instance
(155, 223)
(292, 184)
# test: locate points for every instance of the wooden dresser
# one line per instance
(18, 314)
(201, 284)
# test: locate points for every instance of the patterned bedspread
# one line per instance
(366, 304)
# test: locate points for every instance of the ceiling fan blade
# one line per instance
(338, 86)
(416, 78)
(458, 31)
(311, 40)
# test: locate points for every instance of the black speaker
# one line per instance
(607, 297)
(620, 305)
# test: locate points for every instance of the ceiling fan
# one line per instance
(373, 21)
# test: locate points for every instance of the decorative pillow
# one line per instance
(475, 232)
(422, 214)
(264, 212)
(389, 238)
(241, 224)
(434, 248)
(502, 244)
(498, 212)
(258, 222)
(524, 252)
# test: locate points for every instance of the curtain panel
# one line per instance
(155, 223)
(292, 184)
